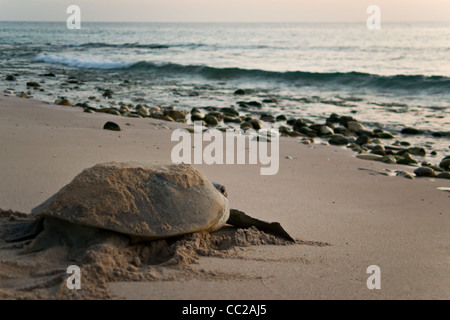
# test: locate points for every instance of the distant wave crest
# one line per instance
(84, 63)
(354, 79)
(133, 45)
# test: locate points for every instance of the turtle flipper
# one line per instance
(242, 220)
(20, 230)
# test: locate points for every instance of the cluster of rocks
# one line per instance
(376, 145)
(347, 131)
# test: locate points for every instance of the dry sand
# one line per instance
(347, 218)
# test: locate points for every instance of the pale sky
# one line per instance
(225, 10)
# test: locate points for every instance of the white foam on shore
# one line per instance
(86, 63)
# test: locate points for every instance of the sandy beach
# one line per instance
(348, 214)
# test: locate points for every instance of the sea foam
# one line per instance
(86, 63)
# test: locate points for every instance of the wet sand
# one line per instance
(320, 195)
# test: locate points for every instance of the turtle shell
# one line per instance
(154, 200)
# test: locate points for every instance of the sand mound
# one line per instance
(42, 275)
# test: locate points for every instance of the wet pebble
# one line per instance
(362, 140)
(409, 130)
(445, 164)
(378, 149)
(443, 175)
(425, 172)
(355, 126)
(33, 84)
(338, 141)
(256, 124)
(63, 102)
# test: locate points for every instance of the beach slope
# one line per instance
(348, 215)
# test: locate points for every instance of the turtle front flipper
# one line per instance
(242, 220)
(20, 230)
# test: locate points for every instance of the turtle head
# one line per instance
(221, 189)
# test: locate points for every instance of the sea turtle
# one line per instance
(141, 201)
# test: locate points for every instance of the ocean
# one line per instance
(390, 79)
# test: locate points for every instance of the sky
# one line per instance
(225, 10)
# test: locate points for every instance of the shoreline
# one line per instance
(321, 193)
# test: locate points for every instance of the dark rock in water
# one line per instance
(355, 126)
(284, 130)
(271, 100)
(231, 112)
(406, 161)
(281, 117)
(212, 120)
(246, 126)
(344, 131)
(315, 127)
(33, 84)
(256, 124)
(305, 130)
(197, 116)
(417, 151)
(367, 133)
(111, 126)
(325, 130)
(254, 104)
(433, 153)
(299, 123)
(330, 124)
(437, 134)
(443, 175)
(425, 172)
(385, 135)
(63, 102)
(239, 92)
(344, 120)
(333, 118)
(83, 105)
(363, 139)
(108, 93)
(216, 114)
(195, 110)
(411, 131)
(176, 114)
(267, 117)
(379, 149)
(232, 119)
(10, 77)
(445, 164)
(50, 74)
(338, 141)
(291, 121)
(435, 168)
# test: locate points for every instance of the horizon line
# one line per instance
(241, 22)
